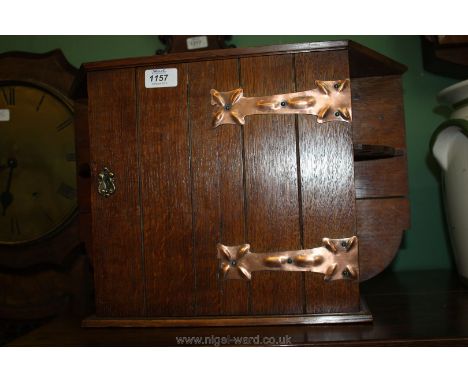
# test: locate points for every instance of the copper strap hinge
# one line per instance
(336, 259)
(329, 101)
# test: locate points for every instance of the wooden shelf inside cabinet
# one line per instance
(370, 152)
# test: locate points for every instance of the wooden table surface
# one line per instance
(421, 308)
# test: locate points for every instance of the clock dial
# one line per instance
(37, 163)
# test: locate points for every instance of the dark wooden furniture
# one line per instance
(417, 308)
(279, 182)
(446, 55)
(179, 43)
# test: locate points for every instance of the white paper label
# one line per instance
(198, 42)
(4, 115)
(161, 78)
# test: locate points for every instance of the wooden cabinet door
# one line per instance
(265, 183)
(217, 189)
(192, 192)
(279, 182)
(327, 183)
(166, 197)
(116, 220)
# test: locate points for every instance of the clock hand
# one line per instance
(6, 198)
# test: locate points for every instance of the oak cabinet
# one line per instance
(279, 181)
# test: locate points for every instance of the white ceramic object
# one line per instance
(450, 148)
(454, 95)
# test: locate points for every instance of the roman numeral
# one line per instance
(64, 124)
(66, 191)
(40, 102)
(14, 226)
(9, 96)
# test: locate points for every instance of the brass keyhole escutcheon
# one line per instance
(106, 184)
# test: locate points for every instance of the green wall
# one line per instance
(426, 243)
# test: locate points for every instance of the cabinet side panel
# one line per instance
(380, 226)
(116, 230)
(379, 120)
(327, 178)
(218, 195)
(378, 116)
(166, 197)
(83, 177)
(380, 178)
(273, 222)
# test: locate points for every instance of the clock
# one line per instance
(37, 162)
(44, 269)
(38, 190)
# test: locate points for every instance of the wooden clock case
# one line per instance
(50, 276)
(279, 182)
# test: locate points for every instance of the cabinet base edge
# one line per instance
(362, 316)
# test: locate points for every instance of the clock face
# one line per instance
(37, 163)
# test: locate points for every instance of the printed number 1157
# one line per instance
(158, 77)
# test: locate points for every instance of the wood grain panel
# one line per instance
(364, 61)
(381, 178)
(83, 172)
(166, 196)
(328, 196)
(378, 116)
(51, 68)
(218, 195)
(272, 185)
(116, 229)
(380, 226)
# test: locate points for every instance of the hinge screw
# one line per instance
(233, 263)
(289, 260)
(346, 273)
(227, 106)
(283, 103)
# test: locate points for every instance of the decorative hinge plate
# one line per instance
(336, 259)
(330, 101)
